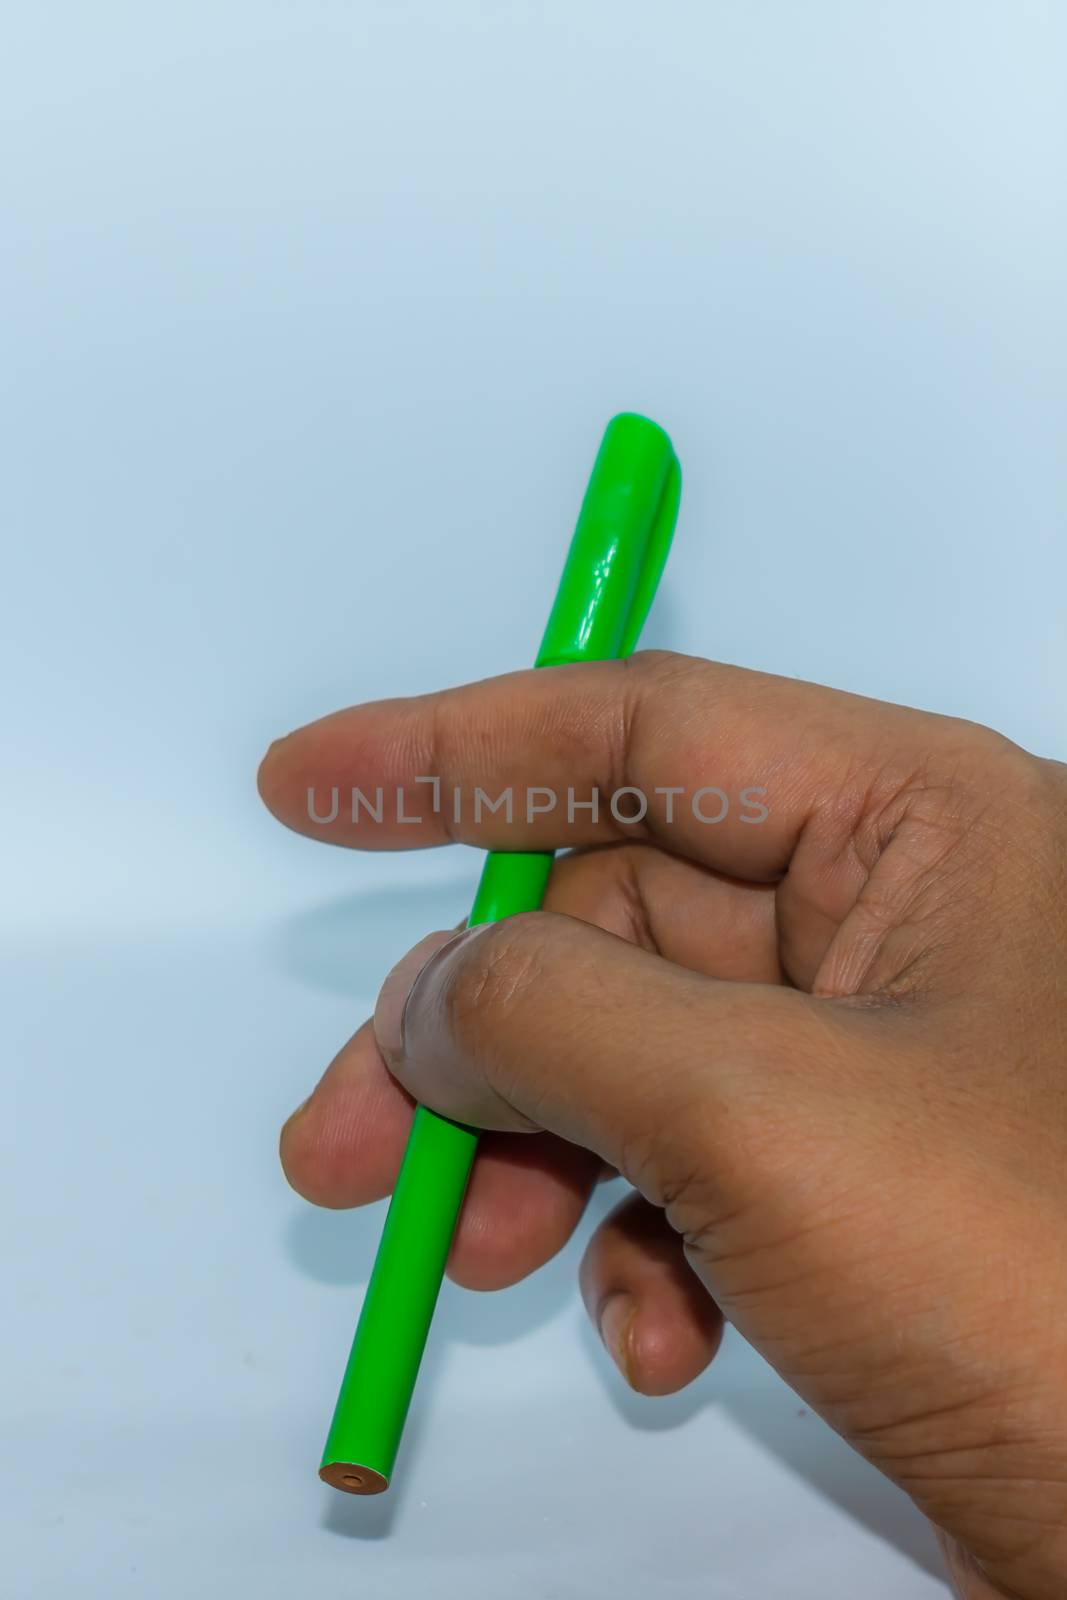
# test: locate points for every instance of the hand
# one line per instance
(827, 1050)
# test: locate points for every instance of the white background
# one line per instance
(312, 316)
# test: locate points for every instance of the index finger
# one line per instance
(723, 765)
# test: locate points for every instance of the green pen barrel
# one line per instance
(620, 544)
(409, 1268)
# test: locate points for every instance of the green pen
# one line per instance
(616, 557)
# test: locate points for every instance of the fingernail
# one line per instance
(273, 748)
(295, 1116)
(616, 1323)
(389, 1011)
(267, 759)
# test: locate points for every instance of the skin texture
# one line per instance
(827, 1052)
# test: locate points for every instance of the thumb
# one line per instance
(546, 1022)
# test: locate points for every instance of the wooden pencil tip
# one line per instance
(352, 1478)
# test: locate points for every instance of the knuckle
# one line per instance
(652, 665)
(1004, 802)
(979, 762)
(651, 673)
(495, 975)
(651, 680)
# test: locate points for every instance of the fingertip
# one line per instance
(342, 1146)
(398, 984)
(267, 771)
(526, 1196)
(656, 1353)
(316, 1164)
(668, 1356)
(656, 1320)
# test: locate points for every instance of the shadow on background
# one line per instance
(740, 1383)
(348, 945)
(772, 1414)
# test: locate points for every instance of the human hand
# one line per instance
(826, 1049)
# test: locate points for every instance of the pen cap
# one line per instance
(619, 548)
